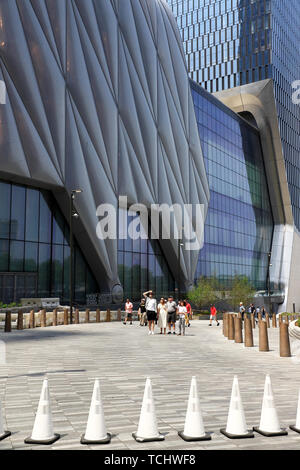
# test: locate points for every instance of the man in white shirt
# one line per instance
(151, 309)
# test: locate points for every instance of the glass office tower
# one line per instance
(235, 42)
(239, 224)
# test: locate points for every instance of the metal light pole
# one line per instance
(178, 275)
(269, 280)
(72, 214)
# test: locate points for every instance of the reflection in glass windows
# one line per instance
(239, 224)
(34, 239)
(141, 263)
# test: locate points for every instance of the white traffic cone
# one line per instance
(147, 429)
(269, 422)
(96, 430)
(194, 428)
(236, 422)
(3, 434)
(43, 428)
(296, 428)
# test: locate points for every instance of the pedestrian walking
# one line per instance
(182, 311)
(172, 311)
(263, 313)
(242, 310)
(257, 311)
(142, 314)
(151, 309)
(213, 315)
(128, 312)
(189, 313)
(162, 312)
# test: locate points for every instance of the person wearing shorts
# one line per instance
(128, 311)
(151, 309)
(213, 315)
(172, 311)
(142, 313)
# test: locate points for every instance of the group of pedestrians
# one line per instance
(163, 314)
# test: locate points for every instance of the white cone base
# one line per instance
(160, 437)
(249, 435)
(270, 434)
(206, 437)
(45, 443)
(293, 428)
(5, 435)
(106, 440)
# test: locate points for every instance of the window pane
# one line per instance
(3, 255)
(16, 262)
(4, 209)
(17, 224)
(32, 215)
(31, 255)
(44, 270)
(45, 217)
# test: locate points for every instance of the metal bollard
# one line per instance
(54, 317)
(253, 320)
(284, 341)
(32, 319)
(263, 337)
(20, 320)
(230, 327)
(108, 317)
(7, 326)
(238, 334)
(76, 316)
(98, 315)
(248, 333)
(43, 318)
(268, 320)
(274, 321)
(87, 316)
(66, 316)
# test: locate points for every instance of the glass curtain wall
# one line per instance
(34, 245)
(239, 225)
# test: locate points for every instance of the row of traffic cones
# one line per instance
(147, 431)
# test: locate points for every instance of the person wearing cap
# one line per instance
(151, 309)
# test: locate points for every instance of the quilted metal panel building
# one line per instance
(98, 98)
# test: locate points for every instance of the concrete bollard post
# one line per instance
(32, 319)
(274, 321)
(263, 337)
(98, 315)
(54, 317)
(239, 315)
(66, 316)
(259, 317)
(253, 320)
(20, 320)
(119, 315)
(248, 332)
(108, 317)
(226, 326)
(268, 320)
(287, 320)
(43, 318)
(230, 327)
(284, 340)
(87, 316)
(7, 325)
(76, 316)
(280, 319)
(238, 334)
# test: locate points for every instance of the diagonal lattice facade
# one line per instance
(98, 97)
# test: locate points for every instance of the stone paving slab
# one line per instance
(122, 357)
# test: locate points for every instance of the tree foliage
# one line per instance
(204, 293)
(241, 291)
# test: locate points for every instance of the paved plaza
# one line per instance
(122, 357)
